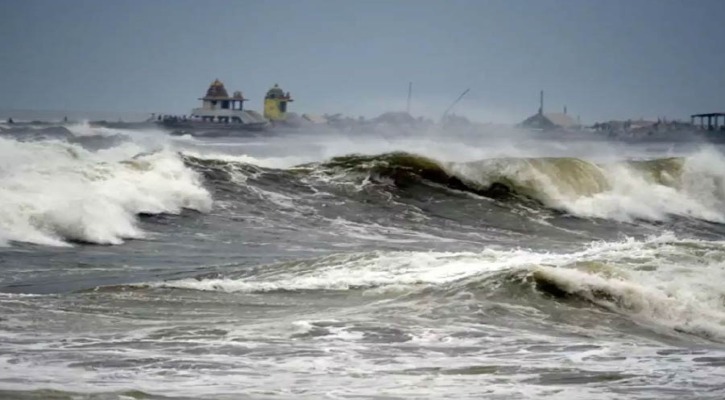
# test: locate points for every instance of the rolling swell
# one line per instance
(220, 173)
(624, 190)
(691, 187)
(406, 170)
(504, 177)
(628, 279)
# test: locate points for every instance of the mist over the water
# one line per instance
(316, 199)
(391, 263)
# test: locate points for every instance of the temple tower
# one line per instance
(275, 104)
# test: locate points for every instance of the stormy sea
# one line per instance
(339, 265)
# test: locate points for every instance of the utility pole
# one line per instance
(541, 103)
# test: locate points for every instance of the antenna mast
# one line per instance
(541, 103)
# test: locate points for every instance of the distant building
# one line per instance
(641, 128)
(395, 118)
(549, 121)
(455, 121)
(642, 124)
(315, 119)
(218, 105)
(713, 121)
(275, 104)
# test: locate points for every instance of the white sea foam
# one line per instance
(614, 190)
(698, 192)
(663, 280)
(343, 272)
(84, 128)
(52, 192)
(609, 188)
(266, 162)
(148, 137)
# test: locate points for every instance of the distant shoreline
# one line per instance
(59, 115)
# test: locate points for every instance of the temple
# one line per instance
(275, 104)
(218, 106)
(218, 112)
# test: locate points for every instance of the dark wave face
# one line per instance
(138, 265)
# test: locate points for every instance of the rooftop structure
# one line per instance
(218, 111)
(275, 104)
(549, 121)
(713, 121)
(216, 91)
(217, 98)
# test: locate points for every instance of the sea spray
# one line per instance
(53, 192)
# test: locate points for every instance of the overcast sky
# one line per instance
(602, 59)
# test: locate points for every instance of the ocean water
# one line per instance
(501, 265)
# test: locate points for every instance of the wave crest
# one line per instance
(54, 192)
(631, 278)
(691, 186)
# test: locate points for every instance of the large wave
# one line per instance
(58, 190)
(53, 192)
(692, 186)
(646, 280)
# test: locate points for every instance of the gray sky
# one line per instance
(603, 59)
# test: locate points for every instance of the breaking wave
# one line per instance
(692, 186)
(61, 189)
(53, 192)
(634, 278)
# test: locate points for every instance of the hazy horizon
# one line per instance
(603, 60)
